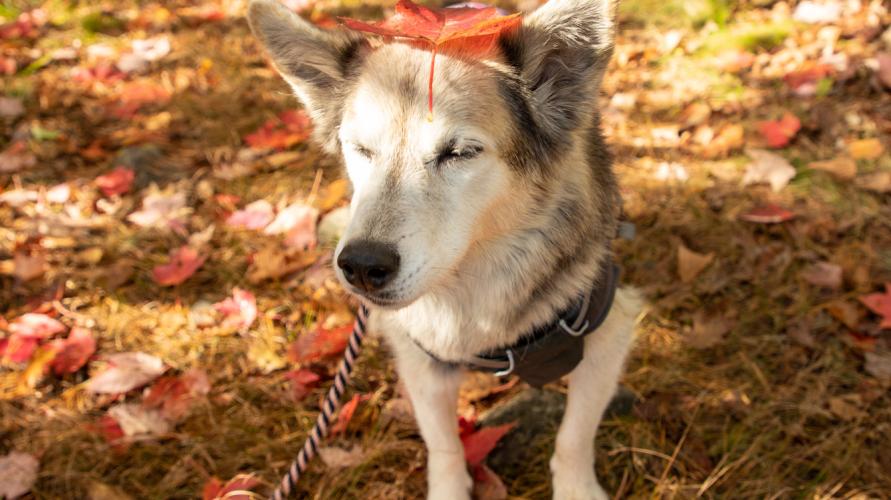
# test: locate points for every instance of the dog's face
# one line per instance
(429, 189)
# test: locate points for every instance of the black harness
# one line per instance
(552, 350)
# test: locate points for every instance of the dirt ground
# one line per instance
(758, 371)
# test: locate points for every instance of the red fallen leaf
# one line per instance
(26, 25)
(102, 72)
(467, 28)
(302, 381)
(880, 303)
(778, 133)
(290, 128)
(317, 345)
(118, 181)
(73, 352)
(240, 309)
(804, 81)
(236, 489)
(487, 485)
(136, 95)
(35, 325)
(8, 66)
(479, 443)
(173, 396)
(109, 428)
(770, 214)
(126, 371)
(346, 414)
(254, 216)
(183, 264)
(17, 349)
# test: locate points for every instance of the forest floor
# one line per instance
(751, 141)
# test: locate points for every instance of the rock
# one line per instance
(538, 413)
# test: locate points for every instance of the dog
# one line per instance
(479, 224)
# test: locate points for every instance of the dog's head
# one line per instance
(426, 193)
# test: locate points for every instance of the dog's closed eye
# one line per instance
(451, 151)
(363, 151)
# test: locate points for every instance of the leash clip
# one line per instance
(510, 366)
(575, 333)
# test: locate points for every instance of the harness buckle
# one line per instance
(575, 333)
(510, 366)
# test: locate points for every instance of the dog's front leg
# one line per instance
(591, 386)
(433, 389)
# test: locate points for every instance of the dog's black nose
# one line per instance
(368, 265)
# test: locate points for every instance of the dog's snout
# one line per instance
(368, 265)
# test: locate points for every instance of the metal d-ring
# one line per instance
(575, 333)
(510, 366)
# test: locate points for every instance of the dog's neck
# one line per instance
(511, 283)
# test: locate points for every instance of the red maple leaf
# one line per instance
(73, 352)
(778, 133)
(770, 214)
(346, 413)
(302, 381)
(317, 345)
(880, 303)
(118, 181)
(183, 264)
(478, 443)
(290, 128)
(173, 396)
(465, 28)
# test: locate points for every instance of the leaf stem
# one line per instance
(430, 86)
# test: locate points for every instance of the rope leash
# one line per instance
(329, 407)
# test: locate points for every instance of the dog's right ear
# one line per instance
(314, 61)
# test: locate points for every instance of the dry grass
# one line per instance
(748, 418)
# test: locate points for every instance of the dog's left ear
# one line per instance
(314, 61)
(561, 51)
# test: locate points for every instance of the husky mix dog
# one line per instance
(474, 227)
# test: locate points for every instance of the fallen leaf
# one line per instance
(804, 80)
(290, 128)
(160, 209)
(273, 262)
(19, 197)
(17, 349)
(37, 368)
(319, 344)
(332, 195)
(866, 149)
(769, 214)
(29, 263)
(73, 352)
(842, 168)
(465, 27)
(879, 182)
(696, 113)
(480, 442)
(182, 265)
(16, 157)
(240, 310)
(302, 381)
(884, 69)
(844, 312)
(338, 458)
(60, 193)
(847, 407)
(812, 12)
(345, 415)
(118, 181)
(730, 138)
(11, 107)
(136, 420)
(254, 216)
(778, 133)
(735, 61)
(708, 331)
(878, 364)
(769, 168)
(102, 491)
(35, 325)
(823, 274)
(142, 53)
(19, 472)
(237, 488)
(487, 485)
(173, 396)
(126, 371)
(299, 221)
(880, 304)
(690, 263)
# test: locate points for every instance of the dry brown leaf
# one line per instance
(695, 114)
(847, 407)
(332, 195)
(879, 365)
(825, 274)
(866, 149)
(690, 263)
(845, 312)
(879, 182)
(843, 168)
(273, 262)
(339, 458)
(729, 138)
(708, 331)
(29, 265)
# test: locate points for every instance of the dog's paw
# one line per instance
(447, 477)
(575, 482)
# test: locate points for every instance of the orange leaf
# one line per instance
(73, 352)
(880, 303)
(479, 443)
(302, 381)
(346, 414)
(470, 28)
(118, 181)
(317, 345)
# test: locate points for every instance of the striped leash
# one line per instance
(329, 407)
